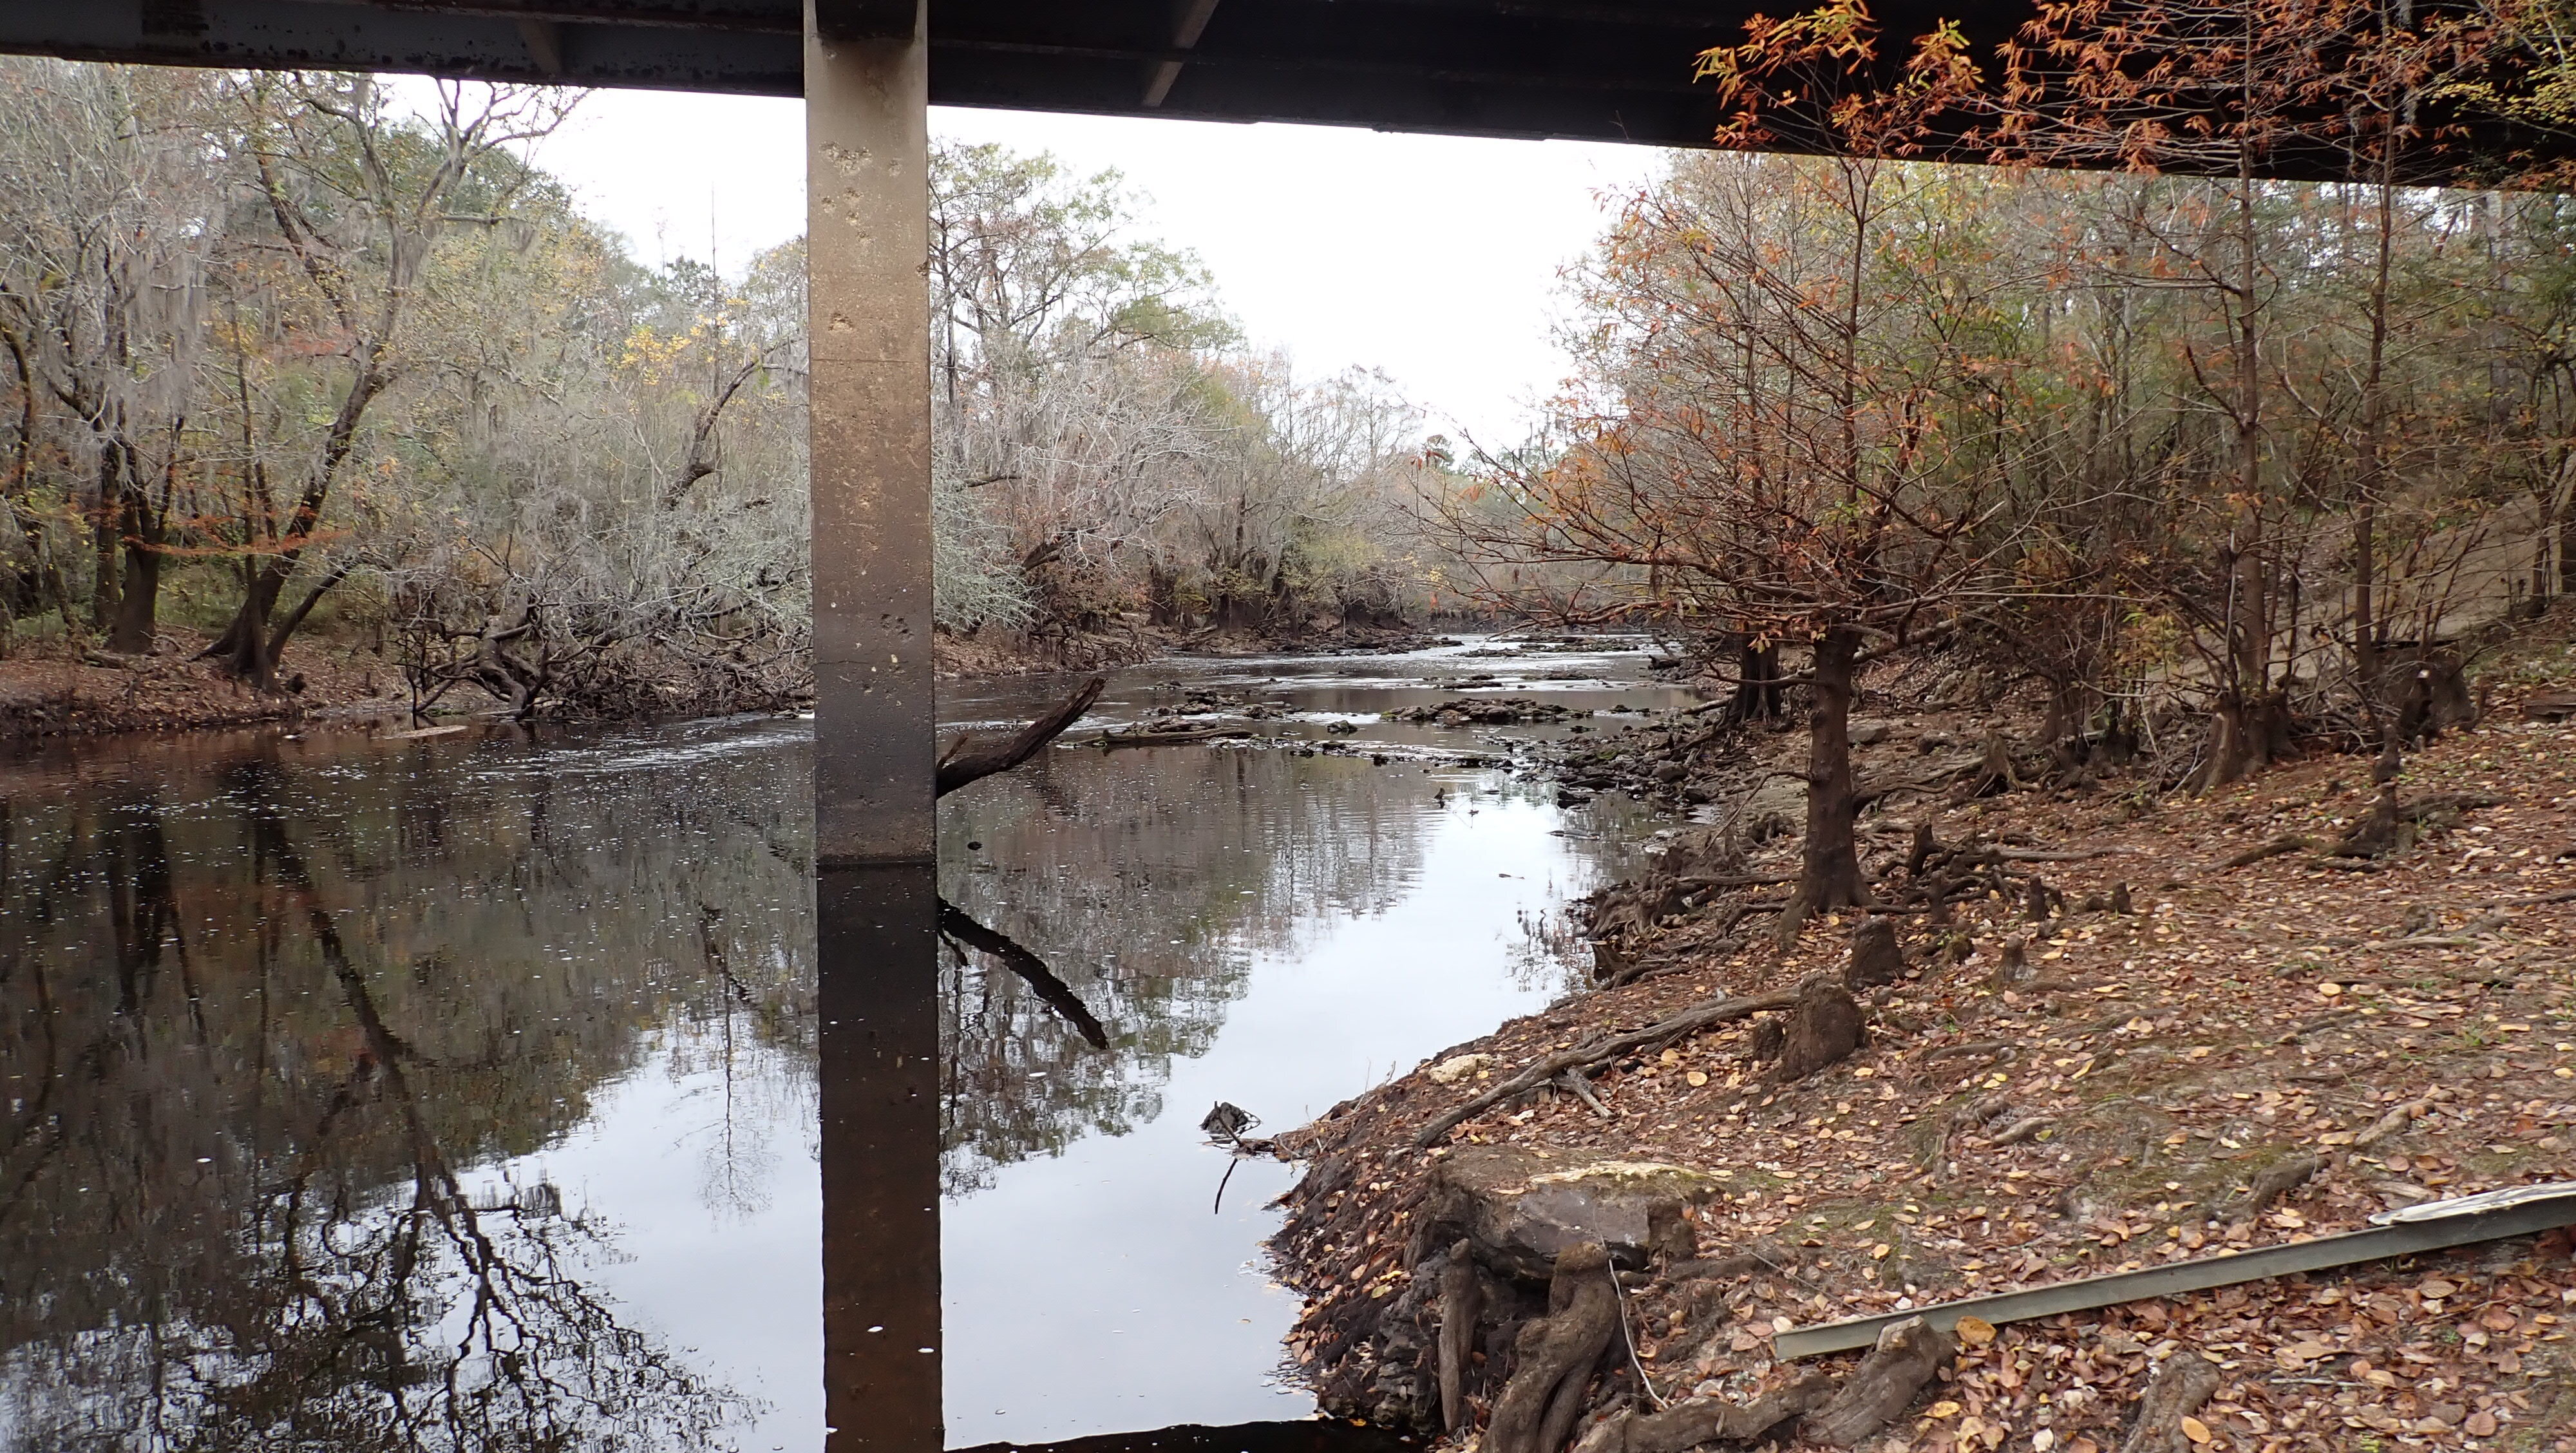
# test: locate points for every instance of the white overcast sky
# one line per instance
(1434, 258)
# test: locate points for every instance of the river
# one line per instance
(460, 1091)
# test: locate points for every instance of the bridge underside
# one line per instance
(1602, 70)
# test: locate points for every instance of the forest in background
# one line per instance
(282, 360)
(2207, 468)
(2214, 464)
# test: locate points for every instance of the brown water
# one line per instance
(462, 1092)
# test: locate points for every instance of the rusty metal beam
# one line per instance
(2539, 1208)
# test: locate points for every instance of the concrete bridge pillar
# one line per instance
(876, 895)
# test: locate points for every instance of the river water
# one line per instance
(461, 1091)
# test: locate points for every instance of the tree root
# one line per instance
(1906, 1357)
(2391, 1123)
(1823, 1029)
(2176, 1392)
(1462, 1303)
(1554, 1356)
(1694, 1421)
(2277, 1180)
(2278, 847)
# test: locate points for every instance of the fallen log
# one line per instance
(1601, 1051)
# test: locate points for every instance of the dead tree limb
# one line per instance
(970, 759)
(1601, 1051)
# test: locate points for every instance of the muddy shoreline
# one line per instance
(2148, 1038)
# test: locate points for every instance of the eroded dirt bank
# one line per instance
(2271, 1042)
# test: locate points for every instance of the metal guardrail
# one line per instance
(2433, 1226)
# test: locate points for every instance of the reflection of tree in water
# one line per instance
(263, 1019)
(1151, 881)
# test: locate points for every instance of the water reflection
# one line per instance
(1154, 880)
(481, 1091)
(272, 1018)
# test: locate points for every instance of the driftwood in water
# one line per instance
(971, 758)
(956, 924)
(1555, 1354)
(1602, 1051)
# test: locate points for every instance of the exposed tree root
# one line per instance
(1694, 1421)
(1906, 1357)
(1554, 1356)
(2180, 1386)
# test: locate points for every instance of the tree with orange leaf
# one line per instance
(1790, 427)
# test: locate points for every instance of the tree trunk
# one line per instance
(2365, 575)
(138, 606)
(138, 602)
(1757, 682)
(278, 637)
(102, 529)
(1829, 877)
(2567, 549)
(243, 647)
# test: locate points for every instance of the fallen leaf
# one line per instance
(2196, 1430)
(1696, 1079)
(1975, 1331)
(2481, 1424)
(1943, 1409)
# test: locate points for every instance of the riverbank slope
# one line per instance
(2205, 1031)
